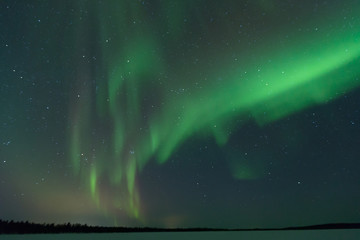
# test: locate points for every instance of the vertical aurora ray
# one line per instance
(122, 135)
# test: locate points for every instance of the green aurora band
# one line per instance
(282, 79)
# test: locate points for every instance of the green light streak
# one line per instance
(267, 90)
(282, 80)
(93, 182)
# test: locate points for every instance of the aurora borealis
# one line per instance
(180, 113)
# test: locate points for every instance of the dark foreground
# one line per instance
(11, 227)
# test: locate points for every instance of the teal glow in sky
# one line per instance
(182, 113)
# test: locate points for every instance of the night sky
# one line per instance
(188, 113)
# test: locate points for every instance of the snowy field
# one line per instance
(272, 235)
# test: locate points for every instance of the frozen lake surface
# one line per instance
(276, 235)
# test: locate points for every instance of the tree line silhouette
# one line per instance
(12, 227)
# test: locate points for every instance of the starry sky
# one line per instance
(184, 113)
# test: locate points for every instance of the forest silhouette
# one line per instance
(12, 227)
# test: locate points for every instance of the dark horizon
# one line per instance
(11, 227)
